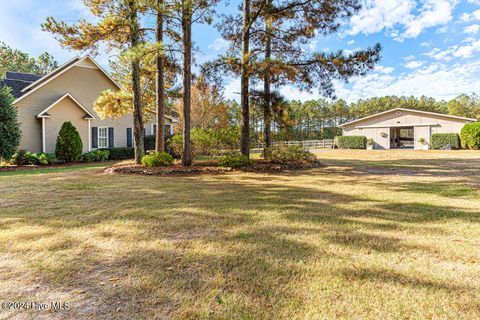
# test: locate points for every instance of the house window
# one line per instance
(102, 137)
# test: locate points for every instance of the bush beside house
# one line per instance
(9, 127)
(69, 144)
(443, 140)
(351, 142)
(470, 136)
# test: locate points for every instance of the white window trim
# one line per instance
(98, 137)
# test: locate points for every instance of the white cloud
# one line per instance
(413, 64)
(218, 44)
(402, 18)
(473, 29)
(435, 80)
(467, 17)
(351, 42)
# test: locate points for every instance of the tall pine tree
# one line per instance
(119, 28)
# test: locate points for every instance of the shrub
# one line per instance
(470, 136)
(9, 127)
(121, 153)
(96, 155)
(351, 142)
(288, 154)
(207, 142)
(69, 144)
(442, 140)
(45, 158)
(157, 159)
(234, 160)
(21, 158)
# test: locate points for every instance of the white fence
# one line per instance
(306, 144)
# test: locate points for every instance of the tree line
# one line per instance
(313, 119)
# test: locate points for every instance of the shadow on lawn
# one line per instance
(450, 167)
(204, 247)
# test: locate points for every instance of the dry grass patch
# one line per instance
(373, 235)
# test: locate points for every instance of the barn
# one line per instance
(404, 128)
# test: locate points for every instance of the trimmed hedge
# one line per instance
(122, 153)
(95, 155)
(470, 136)
(351, 142)
(442, 140)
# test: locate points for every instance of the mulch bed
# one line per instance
(260, 166)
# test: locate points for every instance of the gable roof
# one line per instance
(45, 114)
(17, 81)
(410, 110)
(58, 72)
(28, 77)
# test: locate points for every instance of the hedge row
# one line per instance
(124, 153)
(351, 142)
(443, 140)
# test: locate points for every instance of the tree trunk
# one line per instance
(160, 138)
(245, 78)
(267, 110)
(136, 89)
(187, 79)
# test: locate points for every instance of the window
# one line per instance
(102, 137)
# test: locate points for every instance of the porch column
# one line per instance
(89, 135)
(44, 138)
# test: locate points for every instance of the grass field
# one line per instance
(372, 235)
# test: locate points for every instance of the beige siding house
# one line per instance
(404, 128)
(68, 94)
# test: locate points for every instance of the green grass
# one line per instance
(371, 235)
(48, 170)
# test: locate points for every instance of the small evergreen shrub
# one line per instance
(121, 153)
(470, 136)
(157, 159)
(69, 144)
(284, 154)
(351, 142)
(9, 127)
(442, 140)
(96, 155)
(234, 160)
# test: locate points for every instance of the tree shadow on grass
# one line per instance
(218, 247)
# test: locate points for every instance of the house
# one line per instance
(68, 94)
(404, 128)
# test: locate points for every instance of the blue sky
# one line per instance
(431, 47)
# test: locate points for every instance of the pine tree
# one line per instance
(277, 35)
(9, 127)
(118, 27)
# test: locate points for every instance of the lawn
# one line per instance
(379, 234)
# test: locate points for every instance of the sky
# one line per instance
(430, 47)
